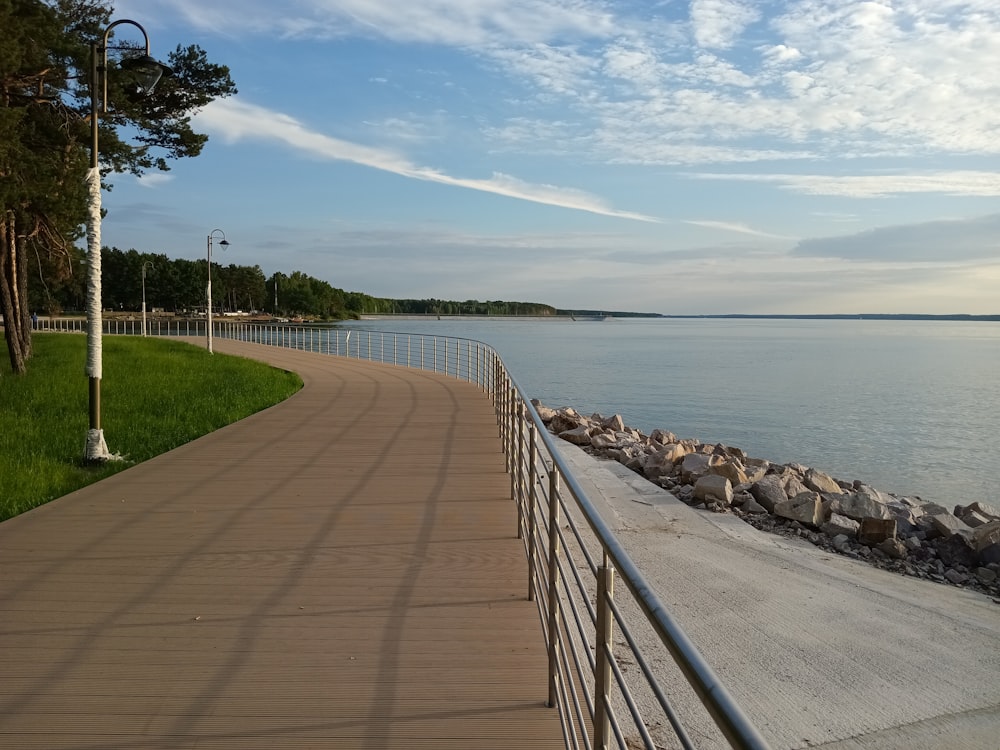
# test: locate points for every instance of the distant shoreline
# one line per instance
(727, 316)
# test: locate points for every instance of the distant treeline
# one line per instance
(179, 286)
(846, 316)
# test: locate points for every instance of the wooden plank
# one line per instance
(337, 571)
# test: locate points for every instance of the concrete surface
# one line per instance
(819, 650)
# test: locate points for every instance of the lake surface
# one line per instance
(910, 407)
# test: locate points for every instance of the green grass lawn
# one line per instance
(156, 394)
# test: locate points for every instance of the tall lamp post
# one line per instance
(147, 73)
(223, 243)
(147, 263)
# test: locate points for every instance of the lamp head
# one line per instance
(146, 72)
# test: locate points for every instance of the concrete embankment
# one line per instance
(820, 650)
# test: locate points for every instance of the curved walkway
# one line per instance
(337, 571)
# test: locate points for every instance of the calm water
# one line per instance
(910, 407)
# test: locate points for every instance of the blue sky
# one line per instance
(681, 157)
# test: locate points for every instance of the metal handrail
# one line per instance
(563, 533)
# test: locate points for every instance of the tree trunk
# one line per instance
(14, 294)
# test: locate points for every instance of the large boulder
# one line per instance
(693, 466)
(943, 524)
(662, 436)
(713, 488)
(577, 435)
(544, 413)
(615, 423)
(769, 491)
(837, 524)
(820, 482)
(604, 440)
(977, 514)
(986, 542)
(858, 505)
(566, 419)
(806, 507)
(731, 470)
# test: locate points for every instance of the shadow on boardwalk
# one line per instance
(340, 570)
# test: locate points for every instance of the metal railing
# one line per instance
(615, 655)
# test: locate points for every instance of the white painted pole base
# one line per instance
(96, 450)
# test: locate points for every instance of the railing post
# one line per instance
(602, 650)
(532, 506)
(553, 593)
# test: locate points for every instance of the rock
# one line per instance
(955, 550)
(985, 575)
(769, 491)
(838, 524)
(977, 510)
(986, 542)
(614, 423)
(841, 542)
(544, 413)
(754, 508)
(943, 524)
(661, 436)
(603, 441)
(955, 577)
(793, 485)
(859, 505)
(893, 548)
(820, 482)
(713, 488)
(693, 466)
(874, 531)
(731, 470)
(578, 435)
(806, 507)
(977, 514)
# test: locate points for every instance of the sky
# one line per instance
(677, 156)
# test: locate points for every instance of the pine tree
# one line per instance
(45, 62)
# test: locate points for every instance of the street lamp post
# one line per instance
(148, 72)
(223, 243)
(147, 263)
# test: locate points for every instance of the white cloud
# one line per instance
(154, 179)
(948, 242)
(717, 23)
(735, 227)
(468, 23)
(963, 183)
(235, 120)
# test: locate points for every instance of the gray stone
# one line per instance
(603, 441)
(945, 524)
(754, 508)
(614, 423)
(805, 507)
(859, 505)
(769, 491)
(986, 542)
(662, 436)
(838, 524)
(578, 435)
(955, 577)
(731, 470)
(893, 548)
(713, 488)
(820, 482)
(985, 575)
(979, 510)
(693, 466)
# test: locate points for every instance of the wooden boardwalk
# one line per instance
(338, 571)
